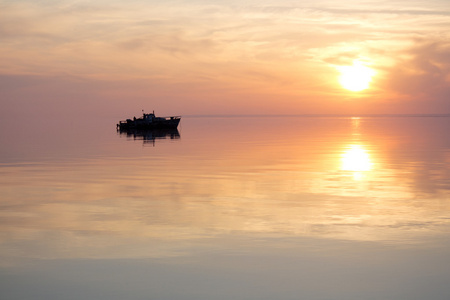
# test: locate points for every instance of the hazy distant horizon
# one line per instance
(316, 115)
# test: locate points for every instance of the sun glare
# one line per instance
(355, 158)
(356, 77)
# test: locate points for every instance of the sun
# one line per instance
(356, 77)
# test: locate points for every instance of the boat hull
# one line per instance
(158, 123)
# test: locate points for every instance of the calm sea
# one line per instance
(308, 207)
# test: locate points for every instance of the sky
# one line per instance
(193, 57)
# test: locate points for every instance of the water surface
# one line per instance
(228, 208)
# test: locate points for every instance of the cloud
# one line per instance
(423, 74)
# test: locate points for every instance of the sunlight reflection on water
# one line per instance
(356, 159)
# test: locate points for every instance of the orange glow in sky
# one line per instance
(221, 57)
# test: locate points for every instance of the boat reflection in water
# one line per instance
(151, 135)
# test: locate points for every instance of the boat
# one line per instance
(149, 121)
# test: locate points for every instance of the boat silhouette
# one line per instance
(149, 121)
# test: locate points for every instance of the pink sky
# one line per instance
(115, 58)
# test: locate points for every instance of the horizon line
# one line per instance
(313, 115)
